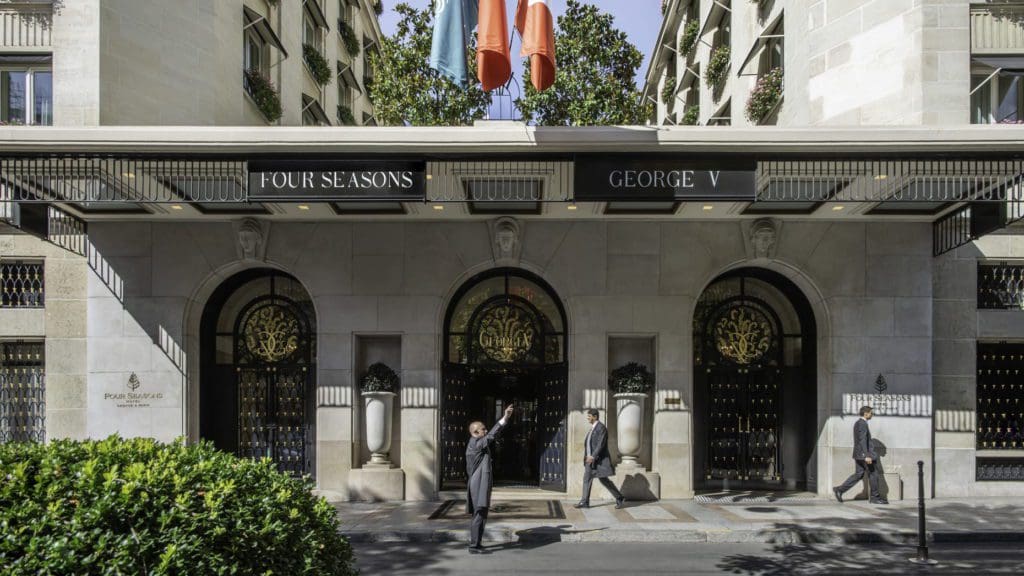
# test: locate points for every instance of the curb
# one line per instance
(725, 536)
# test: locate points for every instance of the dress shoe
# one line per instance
(839, 495)
(879, 501)
(476, 549)
(581, 505)
(620, 503)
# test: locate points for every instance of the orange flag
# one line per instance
(536, 26)
(493, 61)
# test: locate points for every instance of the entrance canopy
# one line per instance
(967, 180)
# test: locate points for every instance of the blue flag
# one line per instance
(454, 21)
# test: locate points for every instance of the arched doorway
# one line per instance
(505, 342)
(257, 369)
(755, 384)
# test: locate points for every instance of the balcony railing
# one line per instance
(21, 284)
(997, 28)
(1000, 286)
(25, 25)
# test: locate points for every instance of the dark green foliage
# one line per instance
(594, 78)
(689, 38)
(668, 91)
(345, 115)
(378, 7)
(718, 67)
(407, 91)
(765, 96)
(631, 378)
(691, 115)
(264, 94)
(348, 36)
(379, 378)
(140, 507)
(317, 64)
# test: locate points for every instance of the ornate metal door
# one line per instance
(552, 415)
(22, 392)
(741, 349)
(454, 422)
(274, 375)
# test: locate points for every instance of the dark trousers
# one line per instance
(588, 479)
(862, 468)
(476, 530)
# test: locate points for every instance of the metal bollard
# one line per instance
(922, 541)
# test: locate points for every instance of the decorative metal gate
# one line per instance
(742, 348)
(454, 419)
(22, 392)
(274, 369)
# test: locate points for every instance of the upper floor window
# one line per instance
(26, 91)
(997, 97)
(314, 23)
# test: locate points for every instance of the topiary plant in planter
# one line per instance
(317, 64)
(691, 115)
(631, 378)
(718, 67)
(379, 377)
(264, 94)
(765, 96)
(689, 37)
(668, 91)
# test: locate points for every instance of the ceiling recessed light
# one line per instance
(838, 208)
(881, 176)
(303, 207)
(708, 207)
(128, 174)
(177, 207)
(571, 206)
(430, 176)
(438, 206)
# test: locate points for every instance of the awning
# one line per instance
(718, 8)
(762, 40)
(369, 119)
(25, 59)
(311, 104)
(687, 78)
(348, 77)
(314, 9)
(263, 28)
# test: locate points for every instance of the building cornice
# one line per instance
(513, 138)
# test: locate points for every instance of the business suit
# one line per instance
(596, 445)
(861, 451)
(480, 481)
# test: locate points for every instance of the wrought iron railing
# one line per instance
(1000, 286)
(1000, 469)
(22, 392)
(21, 284)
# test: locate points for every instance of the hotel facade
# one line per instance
(235, 283)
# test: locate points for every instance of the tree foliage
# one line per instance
(594, 81)
(406, 91)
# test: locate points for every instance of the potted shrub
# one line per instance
(378, 389)
(630, 384)
(348, 36)
(668, 91)
(765, 96)
(718, 67)
(317, 64)
(689, 38)
(691, 115)
(263, 94)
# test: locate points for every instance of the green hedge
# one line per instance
(140, 507)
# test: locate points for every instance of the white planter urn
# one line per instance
(378, 425)
(629, 408)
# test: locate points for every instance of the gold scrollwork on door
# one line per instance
(506, 334)
(271, 333)
(743, 334)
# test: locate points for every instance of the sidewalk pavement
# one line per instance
(806, 520)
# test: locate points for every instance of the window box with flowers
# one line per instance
(668, 90)
(689, 37)
(348, 37)
(766, 95)
(317, 64)
(690, 116)
(264, 94)
(718, 68)
(378, 7)
(345, 116)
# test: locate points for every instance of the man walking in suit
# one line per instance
(865, 459)
(597, 463)
(478, 472)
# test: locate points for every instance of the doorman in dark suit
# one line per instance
(479, 477)
(865, 459)
(596, 461)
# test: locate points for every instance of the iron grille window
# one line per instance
(1000, 469)
(22, 392)
(1000, 286)
(21, 284)
(1000, 396)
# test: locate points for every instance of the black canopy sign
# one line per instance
(337, 181)
(603, 179)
